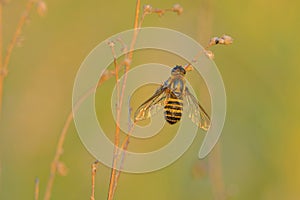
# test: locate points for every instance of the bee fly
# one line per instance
(172, 95)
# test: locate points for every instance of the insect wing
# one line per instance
(196, 112)
(152, 105)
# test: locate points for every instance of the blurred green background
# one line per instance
(259, 146)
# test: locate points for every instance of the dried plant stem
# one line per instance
(17, 34)
(94, 170)
(122, 154)
(59, 148)
(55, 162)
(117, 67)
(117, 131)
(36, 189)
(128, 59)
(196, 57)
(12, 44)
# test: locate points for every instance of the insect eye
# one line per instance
(178, 69)
(182, 70)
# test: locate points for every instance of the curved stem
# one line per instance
(59, 148)
(117, 131)
(12, 44)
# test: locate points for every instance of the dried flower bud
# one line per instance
(147, 9)
(214, 41)
(41, 8)
(209, 54)
(226, 40)
(111, 44)
(177, 8)
(62, 169)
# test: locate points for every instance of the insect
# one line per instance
(174, 96)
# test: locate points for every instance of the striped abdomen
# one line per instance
(173, 110)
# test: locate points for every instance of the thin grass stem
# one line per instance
(11, 46)
(117, 131)
(94, 171)
(59, 148)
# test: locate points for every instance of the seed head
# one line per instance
(214, 41)
(62, 169)
(209, 54)
(41, 8)
(111, 44)
(147, 9)
(177, 8)
(226, 40)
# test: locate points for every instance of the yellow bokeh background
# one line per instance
(259, 146)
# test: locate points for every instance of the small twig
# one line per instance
(126, 140)
(59, 151)
(122, 155)
(94, 170)
(223, 40)
(124, 146)
(36, 189)
(59, 148)
(117, 67)
(127, 62)
(149, 10)
(17, 34)
(117, 131)
(12, 44)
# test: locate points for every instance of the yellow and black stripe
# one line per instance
(173, 110)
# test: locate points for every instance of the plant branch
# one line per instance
(17, 33)
(124, 147)
(55, 162)
(94, 170)
(117, 131)
(127, 62)
(59, 148)
(12, 44)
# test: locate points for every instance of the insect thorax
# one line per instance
(177, 86)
